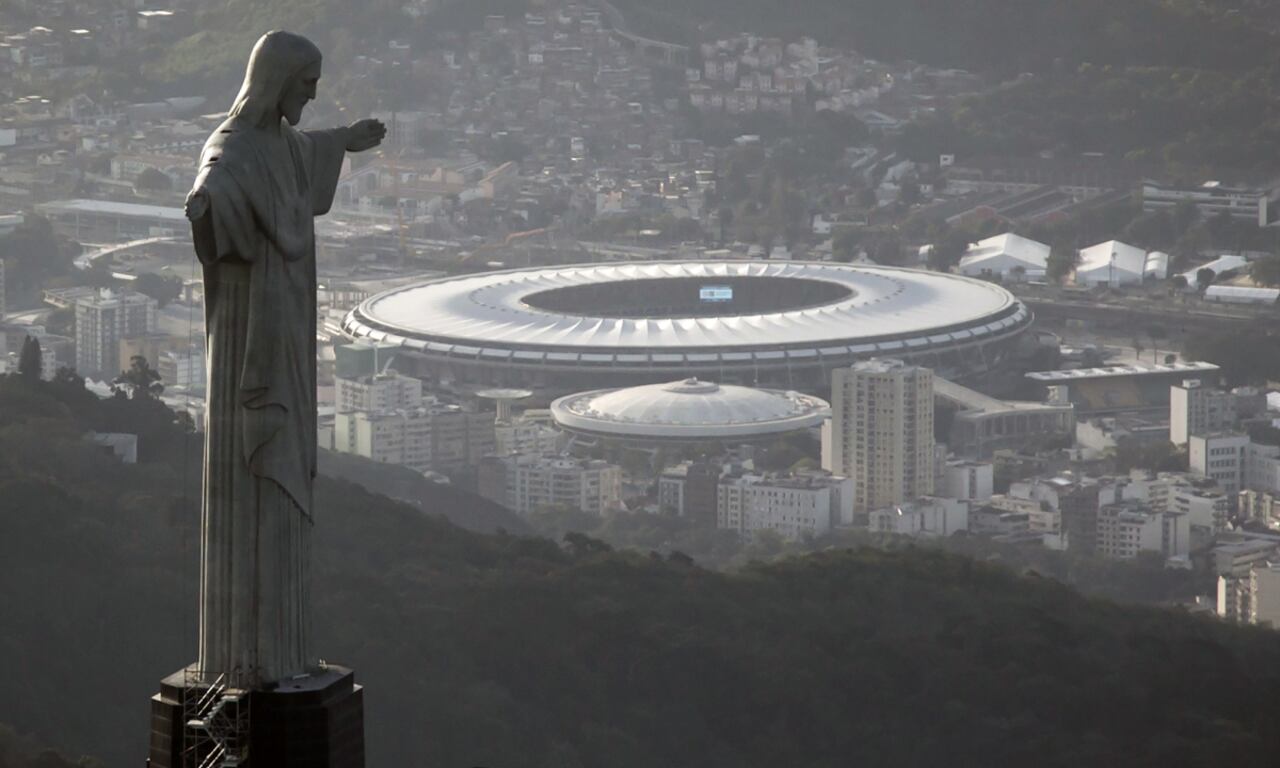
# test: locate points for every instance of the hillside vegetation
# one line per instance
(19, 752)
(1008, 36)
(508, 651)
(1184, 88)
(1181, 88)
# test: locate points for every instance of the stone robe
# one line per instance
(257, 247)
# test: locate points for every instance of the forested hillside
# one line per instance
(509, 651)
(1008, 36)
(1182, 123)
(1182, 89)
(18, 752)
(214, 56)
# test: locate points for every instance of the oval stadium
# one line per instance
(784, 325)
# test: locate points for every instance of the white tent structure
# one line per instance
(1008, 256)
(1239, 294)
(1114, 263)
(1222, 265)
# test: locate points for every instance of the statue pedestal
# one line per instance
(316, 721)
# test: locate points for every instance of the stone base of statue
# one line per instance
(312, 721)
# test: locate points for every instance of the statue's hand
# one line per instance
(197, 204)
(365, 134)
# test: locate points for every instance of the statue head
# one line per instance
(279, 80)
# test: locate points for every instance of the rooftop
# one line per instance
(839, 309)
(688, 409)
(1136, 369)
(1029, 253)
(112, 208)
(504, 393)
(1227, 262)
(1114, 255)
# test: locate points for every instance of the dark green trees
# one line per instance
(30, 360)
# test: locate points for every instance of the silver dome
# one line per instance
(688, 409)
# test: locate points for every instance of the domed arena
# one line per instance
(782, 325)
(685, 411)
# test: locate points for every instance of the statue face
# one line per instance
(300, 90)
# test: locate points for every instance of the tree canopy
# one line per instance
(33, 255)
(524, 651)
(1266, 270)
(163, 288)
(19, 752)
(141, 380)
(1247, 356)
(1005, 35)
(30, 360)
(152, 180)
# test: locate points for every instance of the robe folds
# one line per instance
(256, 243)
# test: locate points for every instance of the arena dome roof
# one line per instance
(688, 409)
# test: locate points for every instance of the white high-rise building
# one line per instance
(792, 505)
(1221, 457)
(1130, 527)
(526, 436)
(102, 320)
(1264, 591)
(1251, 598)
(926, 517)
(1043, 516)
(1195, 409)
(381, 392)
(970, 480)
(527, 483)
(433, 437)
(400, 437)
(1263, 506)
(881, 432)
(182, 368)
(1205, 507)
(1235, 462)
(1206, 510)
(1262, 468)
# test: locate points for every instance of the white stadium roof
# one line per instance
(880, 310)
(688, 409)
(1242, 294)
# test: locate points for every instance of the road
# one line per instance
(85, 260)
(1140, 313)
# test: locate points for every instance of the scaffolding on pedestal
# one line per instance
(215, 717)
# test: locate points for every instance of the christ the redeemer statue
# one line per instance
(252, 209)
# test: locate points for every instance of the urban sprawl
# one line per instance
(688, 372)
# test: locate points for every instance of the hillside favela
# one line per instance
(639, 383)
